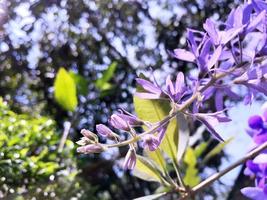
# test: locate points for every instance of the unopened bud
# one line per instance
(90, 135)
(91, 148)
(106, 132)
(84, 141)
(117, 122)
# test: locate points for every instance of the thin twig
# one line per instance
(66, 131)
(216, 176)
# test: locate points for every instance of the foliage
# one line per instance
(30, 164)
(65, 90)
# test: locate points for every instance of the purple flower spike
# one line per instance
(91, 148)
(150, 142)
(117, 122)
(255, 122)
(152, 91)
(106, 132)
(130, 160)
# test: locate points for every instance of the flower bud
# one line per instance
(91, 148)
(117, 122)
(106, 132)
(90, 135)
(84, 141)
(130, 159)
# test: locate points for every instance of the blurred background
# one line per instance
(67, 65)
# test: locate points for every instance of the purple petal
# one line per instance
(219, 100)
(255, 122)
(170, 86)
(256, 22)
(211, 129)
(144, 95)
(182, 54)
(192, 42)
(254, 193)
(179, 85)
(230, 34)
(215, 57)
(148, 86)
(209, 26)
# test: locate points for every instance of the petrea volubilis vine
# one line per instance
(228, 54)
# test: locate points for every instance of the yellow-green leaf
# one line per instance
(158, 158)
(65, 90)
(154, 111)
(191, 177)
(102, 83)
(190, 157)
(146, 169)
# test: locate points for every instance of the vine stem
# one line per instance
(216, 176)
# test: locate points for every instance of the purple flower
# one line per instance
(117, 122)
(255, 193)
(177, 91)
(255, 122)
(210, 120)
(258, 166)
(152, 91)
(257, 128)
(130, 159)
(91, 148)
(150, 142)
(106, 132)
(251, 168)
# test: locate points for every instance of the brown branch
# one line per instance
(217, 175)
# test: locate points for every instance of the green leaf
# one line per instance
(200, 148)
(217, 149)
(190, 157)
(154, 111)
(146, 169)
(81, 83)
(102, 83)
(191, 177)
(151, 197)
(158, 158)
(65, 90)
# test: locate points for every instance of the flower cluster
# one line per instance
(125, 122)
(227, 53)
(258, 166)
